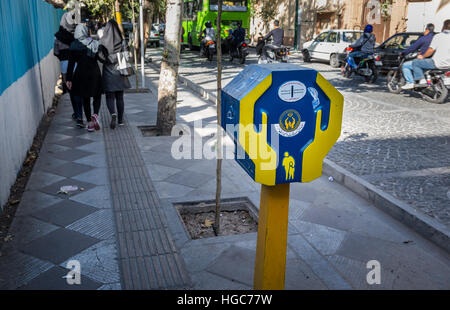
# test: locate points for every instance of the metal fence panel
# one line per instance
(27, 29)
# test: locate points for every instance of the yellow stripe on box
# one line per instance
(314, 154)
(254, 143)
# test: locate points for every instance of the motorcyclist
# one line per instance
(421, 46)
(363, 46)
(277, 35)
(236, 37)
(436, 57)
(208, 34)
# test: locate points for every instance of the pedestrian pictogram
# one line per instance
(289, 166)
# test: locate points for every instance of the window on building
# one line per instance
(190, 9)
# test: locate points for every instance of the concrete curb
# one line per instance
(192, 86)
(401, 211)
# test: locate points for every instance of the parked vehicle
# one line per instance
(153, 38)
(391, 48)
(159, 28)
(209, 50)
(128, 31)
(240, 52)
(366, 66)
(438, 81)
(329, 44)
(274, 53)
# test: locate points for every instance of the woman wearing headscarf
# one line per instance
(86, 80)
(114, 83)
(63, 39)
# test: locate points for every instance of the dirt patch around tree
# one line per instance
(237, 216)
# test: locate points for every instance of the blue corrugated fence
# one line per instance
(27, 29)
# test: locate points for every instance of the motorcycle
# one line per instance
(436, 89)
(209, 49)
(366, 67)
(240, 52)
(274, 54)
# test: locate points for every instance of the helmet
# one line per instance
(208, 24)
(368, 28)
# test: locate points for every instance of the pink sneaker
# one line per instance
(94, 120)
(91, 126)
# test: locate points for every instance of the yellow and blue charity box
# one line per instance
(284, 119)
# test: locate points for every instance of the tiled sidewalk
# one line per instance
(113, 225)
(52, 228)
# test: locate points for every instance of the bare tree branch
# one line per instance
(59, 4)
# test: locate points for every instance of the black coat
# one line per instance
(112, 80)
(87, 79)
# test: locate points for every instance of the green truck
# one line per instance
(197, 12)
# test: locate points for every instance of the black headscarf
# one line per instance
(112, 38)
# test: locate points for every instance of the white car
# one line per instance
(328, 44)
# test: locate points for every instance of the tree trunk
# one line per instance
(147, 23)
(168, 79)
(148, 8)
(219, 128)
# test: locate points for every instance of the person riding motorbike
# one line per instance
(208, 34)
(421, 46)
(363, 46)
(436, 57)
(277, 35)
(236, 37)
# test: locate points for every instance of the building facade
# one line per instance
(310, 17)
(420, 13)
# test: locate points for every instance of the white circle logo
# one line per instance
(292, 91)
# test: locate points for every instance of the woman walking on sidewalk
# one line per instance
(63, 39)
(114, 83)
(86, 80)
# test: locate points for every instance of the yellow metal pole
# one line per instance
(270, 264)
(119, 18)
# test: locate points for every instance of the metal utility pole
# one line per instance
(135, 43)
(141, 27)
(298, 25)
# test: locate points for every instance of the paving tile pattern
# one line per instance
(52, 228)
(148, 257)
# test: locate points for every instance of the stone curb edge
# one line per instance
(191, 85)
(401, 211)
